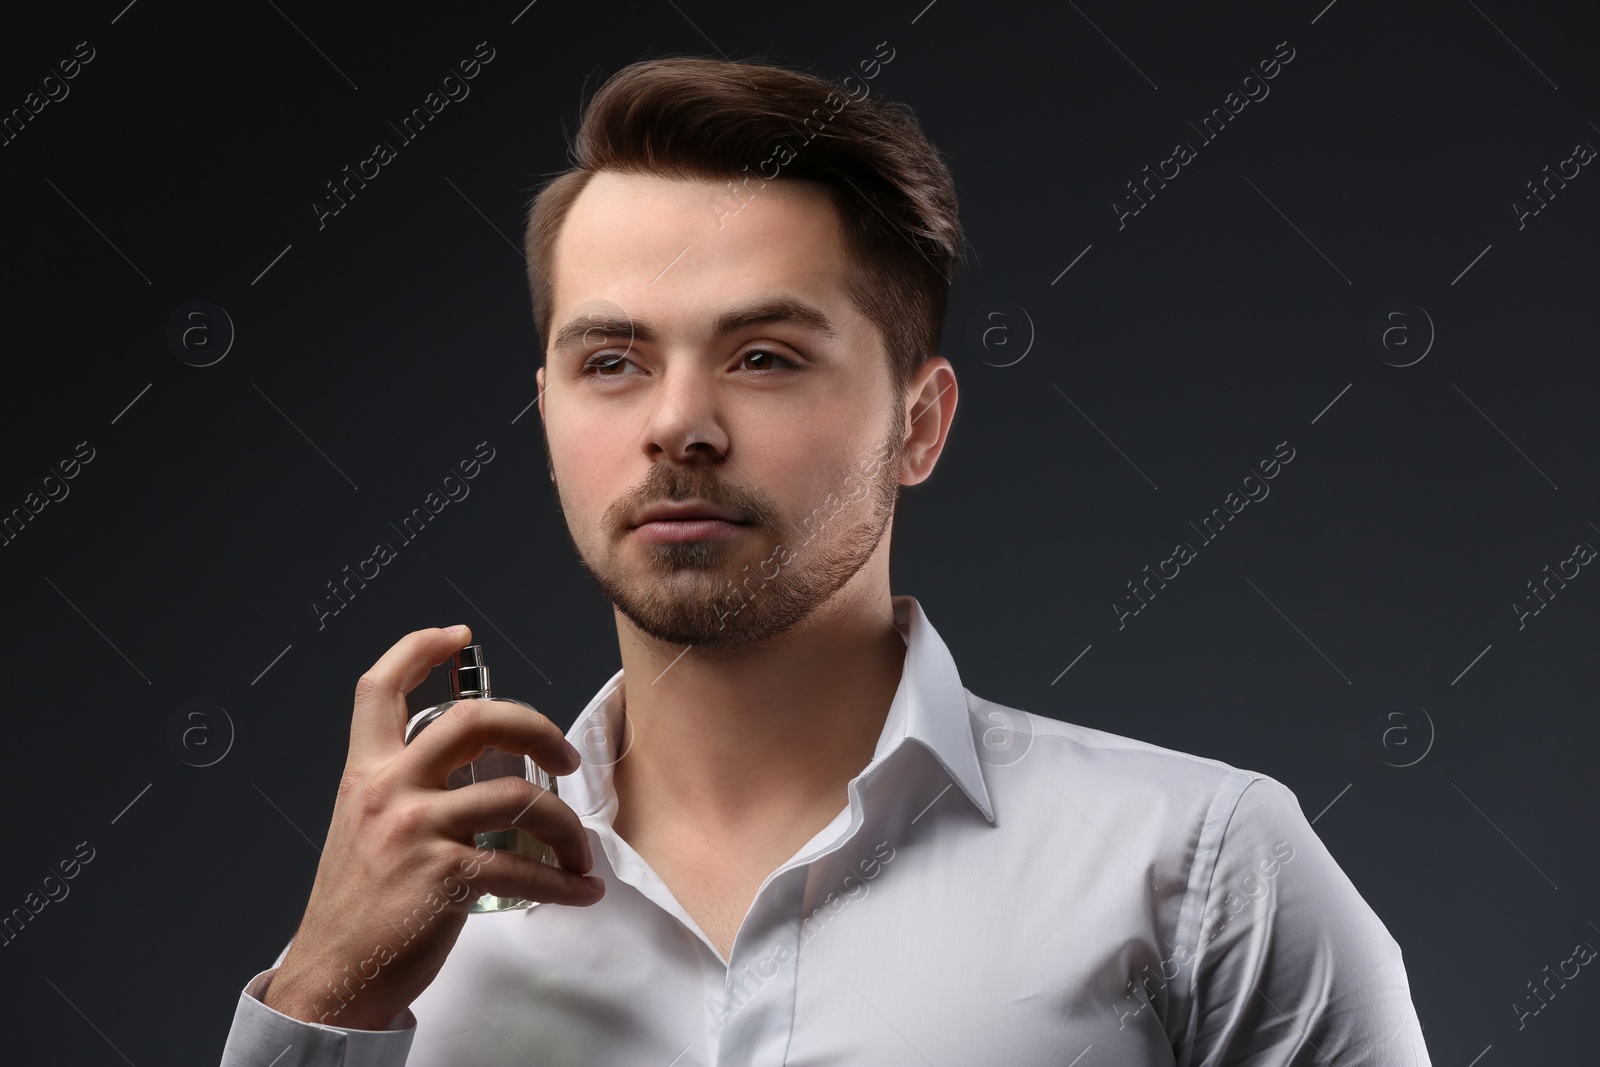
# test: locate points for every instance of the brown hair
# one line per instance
(695, 118)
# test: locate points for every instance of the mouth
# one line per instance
(687, 529)
(686, 520)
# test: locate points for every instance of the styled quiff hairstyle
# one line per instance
(743, 122)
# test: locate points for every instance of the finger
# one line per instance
(507, 874)
(378, 723)
(503, 803)
(462, 733)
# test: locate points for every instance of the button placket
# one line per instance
(757, 1011)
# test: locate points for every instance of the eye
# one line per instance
(603, 361)
(601, 364)
(770, 356)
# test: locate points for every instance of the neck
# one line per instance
(734, 743)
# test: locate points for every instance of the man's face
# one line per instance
(792, 430)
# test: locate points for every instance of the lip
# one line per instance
(661, 530)
(685, 511)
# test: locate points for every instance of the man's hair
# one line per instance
(690, 118)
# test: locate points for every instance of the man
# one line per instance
(813, 844)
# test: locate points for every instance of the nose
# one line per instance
(685, 421)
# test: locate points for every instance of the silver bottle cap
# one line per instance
(469, 675)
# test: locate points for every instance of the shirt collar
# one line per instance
(929, 706)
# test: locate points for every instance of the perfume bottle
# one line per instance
(469, 680)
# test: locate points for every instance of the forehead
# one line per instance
(661, 248)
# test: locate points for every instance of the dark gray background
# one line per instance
(1358, 618)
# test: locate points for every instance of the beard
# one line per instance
(689, 593)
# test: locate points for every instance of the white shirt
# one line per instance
(1003, 888)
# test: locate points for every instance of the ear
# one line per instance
(539, 378)
(930, 400)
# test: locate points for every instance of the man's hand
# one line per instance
(399, 869)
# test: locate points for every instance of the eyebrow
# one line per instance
(777, 309)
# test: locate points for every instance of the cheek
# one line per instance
(833, 468)
(585, 463)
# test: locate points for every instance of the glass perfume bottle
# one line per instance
(469, 680)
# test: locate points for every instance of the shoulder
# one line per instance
(1025, 752)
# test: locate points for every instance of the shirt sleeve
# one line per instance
(265, 1037)
(1292, 967)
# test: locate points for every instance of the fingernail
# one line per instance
(454, 629)
(577, 757)
(592, 880)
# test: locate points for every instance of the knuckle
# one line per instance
(440, 858)
(472, 714)
(519, 791)
(467, 863)
(553, 882)
(368, 685)
(373, 796)
(542, 879)
(544, 733)
(352, 791)
(552, 733)
(350, 784)
(455, 886)
(409, 819)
